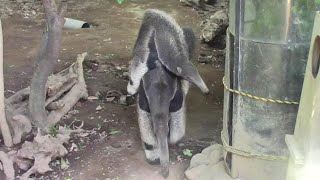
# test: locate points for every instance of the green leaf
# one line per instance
(120, 1)
(187, 152)
(317, 1)
(114, 132)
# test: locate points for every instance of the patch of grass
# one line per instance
(53, 131)
(187, 152)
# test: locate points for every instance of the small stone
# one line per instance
(97, 94)
(123, 99)
(64, 164)
(125, 74)
(25, 7)
(179, 159)
(109, 99)
(116, 145)
(118, 68)
(74, 147)
(98, 108)
(198, 3)
(83, 135)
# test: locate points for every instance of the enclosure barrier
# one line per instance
(304, 145)
(267, 47)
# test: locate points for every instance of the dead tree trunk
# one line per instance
(47, 59)
(3, 122)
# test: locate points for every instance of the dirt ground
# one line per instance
(109, 43)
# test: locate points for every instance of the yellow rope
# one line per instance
(257, 97)
(247, 154)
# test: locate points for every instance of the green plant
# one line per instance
(187, 152)
(53, 131)
(120, 1)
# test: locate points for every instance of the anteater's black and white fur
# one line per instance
(161, 64)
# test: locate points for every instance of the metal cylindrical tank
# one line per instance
(267, 48)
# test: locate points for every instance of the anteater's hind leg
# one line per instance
(177, 125)
(178, 113)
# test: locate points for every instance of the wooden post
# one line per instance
(3, 122)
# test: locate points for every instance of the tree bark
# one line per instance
(47, 59)
(3, 121)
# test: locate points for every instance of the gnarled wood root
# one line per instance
(71, 82)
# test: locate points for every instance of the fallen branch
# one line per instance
(63, 89)
(56, 87)
(3, 121)
(78, 91)
(7, 165)
(19, 96)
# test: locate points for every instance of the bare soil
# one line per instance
(109, 43)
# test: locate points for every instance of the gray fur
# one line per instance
(177, 125)
(172, 50)
(160, 72)
(160, 87)
(148, 136)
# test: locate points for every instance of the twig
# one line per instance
(3, 121)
